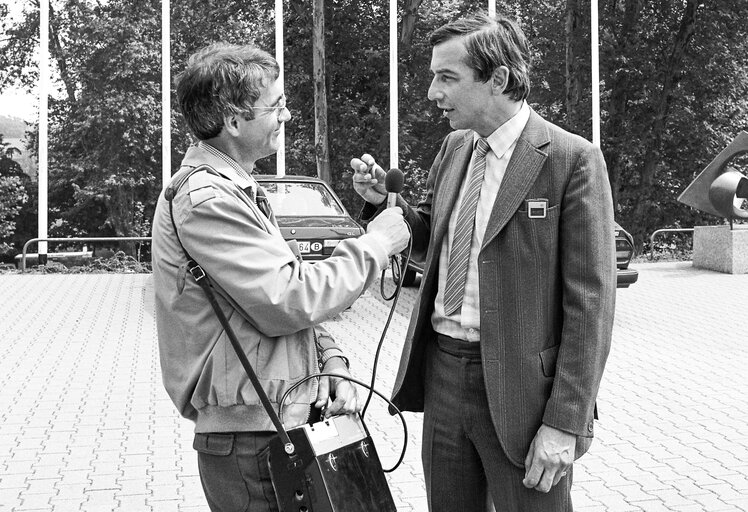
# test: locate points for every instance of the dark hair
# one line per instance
(492, 42)
(222, 79)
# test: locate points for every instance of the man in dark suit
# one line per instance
(512, 327)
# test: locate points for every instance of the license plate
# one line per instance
(307, 247)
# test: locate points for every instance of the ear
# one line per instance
(231, 124)
(500, 79)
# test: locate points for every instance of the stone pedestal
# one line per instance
(721, 248)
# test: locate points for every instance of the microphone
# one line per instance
(393, 184)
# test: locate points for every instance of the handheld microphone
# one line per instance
(393, 184)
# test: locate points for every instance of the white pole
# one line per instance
(491, 7)
(43, 126)
(165, 93)
(394, 157)
(280, 157)
(595, 58)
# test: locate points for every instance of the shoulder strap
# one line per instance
(202, 279)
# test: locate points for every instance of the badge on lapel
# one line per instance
(537, 208)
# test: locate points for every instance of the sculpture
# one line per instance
(719, 189)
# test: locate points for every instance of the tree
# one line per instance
(674, 91)
(321, 147)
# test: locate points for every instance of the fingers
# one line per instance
(542, 477)
(391, 230)
(533, 474)
(346, 400)
(393, 210)
(366, 170)
(545, 467)
(323, 392)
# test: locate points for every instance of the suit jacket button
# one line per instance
(590, 426)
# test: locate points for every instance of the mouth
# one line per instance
(446, 111)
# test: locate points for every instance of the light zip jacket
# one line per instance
(270, 297)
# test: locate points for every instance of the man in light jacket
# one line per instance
(234, 105)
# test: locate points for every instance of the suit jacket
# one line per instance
(547, 285)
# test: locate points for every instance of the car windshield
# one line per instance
(295, 199)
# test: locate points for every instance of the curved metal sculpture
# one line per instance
(719, 189)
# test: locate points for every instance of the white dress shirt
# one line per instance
(465, 323)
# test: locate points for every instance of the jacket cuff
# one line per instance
(373, 242)
(326, 347)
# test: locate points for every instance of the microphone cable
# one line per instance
(371, 390)
(394, 297)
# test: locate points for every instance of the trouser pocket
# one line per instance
(234, 471)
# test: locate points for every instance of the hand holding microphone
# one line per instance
(390, 223)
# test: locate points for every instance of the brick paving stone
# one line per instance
(582, 501)
(673, 424)
(653, 505)
(11, 495)
(35, 501)
(14, 481)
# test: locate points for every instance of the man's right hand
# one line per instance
(390, 229)
(368, 179)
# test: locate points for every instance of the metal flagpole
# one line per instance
(595, 61)
(394, 154)
(165, 93)
(491, 7)
(43, 127)
(280, 157)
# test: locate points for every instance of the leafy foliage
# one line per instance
(674, 92)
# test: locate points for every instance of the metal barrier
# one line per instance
(85, 239)
(664, 230)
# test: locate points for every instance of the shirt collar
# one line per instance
(507, 134)
(203, 153)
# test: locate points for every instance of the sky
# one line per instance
(16, 103)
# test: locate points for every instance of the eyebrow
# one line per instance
(443, 71)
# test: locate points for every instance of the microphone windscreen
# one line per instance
(394, 181)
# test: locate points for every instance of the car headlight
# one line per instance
(624, 252)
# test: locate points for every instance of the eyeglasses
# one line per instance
(277, 108)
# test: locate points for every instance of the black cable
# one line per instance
(396, 296)
(371, 390)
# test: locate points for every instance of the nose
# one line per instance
(434, 93)
(285, 115)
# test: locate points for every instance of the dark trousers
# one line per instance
(234, 471)
(462, 456)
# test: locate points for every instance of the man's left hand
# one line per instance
(346, 397)
(550, 456)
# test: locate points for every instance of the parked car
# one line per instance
(309, 211)
(624, 252)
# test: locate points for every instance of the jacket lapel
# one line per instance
(454, 167)
(522, 171)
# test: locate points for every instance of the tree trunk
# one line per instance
(572, 79)
(617, 108)
(58, 54)
(670, 77)
(410, 17)
(321, 145)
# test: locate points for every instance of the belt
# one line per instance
(458, 348)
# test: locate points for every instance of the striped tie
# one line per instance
(463, 234)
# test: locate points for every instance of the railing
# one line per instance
(664, 230)
(85, 239)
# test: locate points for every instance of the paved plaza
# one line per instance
(85, 423)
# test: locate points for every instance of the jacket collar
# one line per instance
(522, 171)
(205, 154)
(453, 171)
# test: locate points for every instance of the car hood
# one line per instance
(319, 227)
(316, 222)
